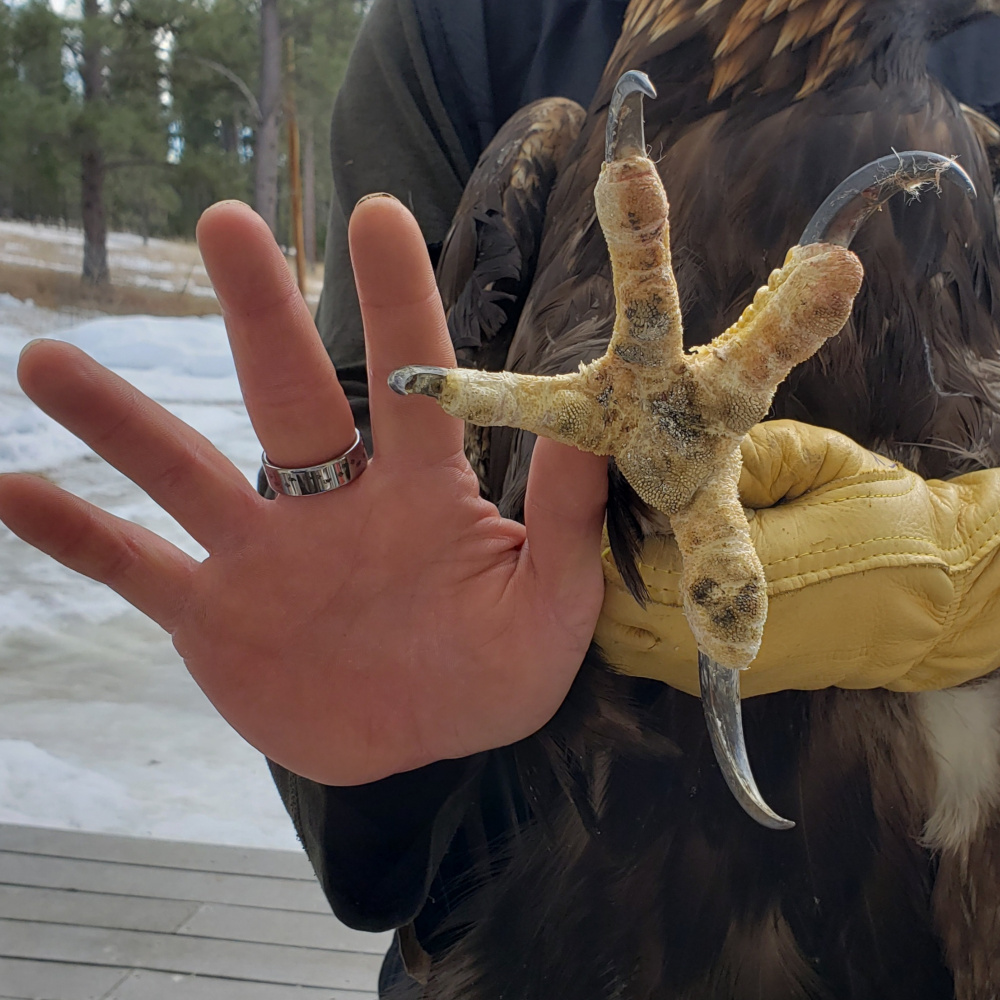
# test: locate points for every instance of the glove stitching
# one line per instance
(962, 585)
(973, 556)
(970, 560)
(860, 478)
(864, 496)
(875, 555)
(842, 482)
(849, 545)
(933, 551)
(927, 557)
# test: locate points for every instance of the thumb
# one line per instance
(785, 459)
(564, 517)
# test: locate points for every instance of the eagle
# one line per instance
(625, 870)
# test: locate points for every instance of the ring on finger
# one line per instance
(322, 478)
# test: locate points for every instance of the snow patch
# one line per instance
(39, 789)
(101, 727)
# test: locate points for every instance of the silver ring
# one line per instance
(320, 478)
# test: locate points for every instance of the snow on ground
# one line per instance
(101, 727)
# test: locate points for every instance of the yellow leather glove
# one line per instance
(876, 577)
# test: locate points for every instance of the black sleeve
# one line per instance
(968, 63)
(376, 848)
(492, 57)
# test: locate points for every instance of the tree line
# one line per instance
(138, 114)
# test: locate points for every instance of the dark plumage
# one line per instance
(632, 874)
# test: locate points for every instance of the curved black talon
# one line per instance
(844, 212)
(418, 380)
(720, 698)
(625, 135)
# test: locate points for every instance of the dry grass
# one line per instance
(156, 277)
(67, 293)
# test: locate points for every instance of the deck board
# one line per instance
(115, 918)
(248, 923)
(188, 955)
(162, 853)
(23, 980)
(145, 985)
(160, 883)
(94, 909)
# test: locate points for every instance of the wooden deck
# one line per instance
(94, 917)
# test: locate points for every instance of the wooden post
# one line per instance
(294, 169)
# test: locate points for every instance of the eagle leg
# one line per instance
(761, 361)
(673, 419)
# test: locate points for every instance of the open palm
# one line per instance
(364, 631)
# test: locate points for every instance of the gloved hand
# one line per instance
(876, 577)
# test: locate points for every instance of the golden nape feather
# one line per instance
(750, 41)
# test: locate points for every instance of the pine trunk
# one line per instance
(95, 242)
(95, 233)
(266, 146)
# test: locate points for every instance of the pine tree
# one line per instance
(139, 190)
(88, 137)
(266, 152)
(37, 178)
(141, 113)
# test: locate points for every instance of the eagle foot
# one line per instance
(673, 419)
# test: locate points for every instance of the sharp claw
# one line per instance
(720, 697)
(625, 135)
(422, 380)
(843, 213)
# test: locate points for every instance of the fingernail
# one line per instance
(28, 346)
(377, 194)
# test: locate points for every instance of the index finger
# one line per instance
(404, 325)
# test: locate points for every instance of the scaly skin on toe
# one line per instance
(673, 420)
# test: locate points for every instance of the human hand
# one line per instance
(357, 633)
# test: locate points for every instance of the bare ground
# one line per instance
(153, 277)
(67, 293)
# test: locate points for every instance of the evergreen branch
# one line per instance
(233, 78)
